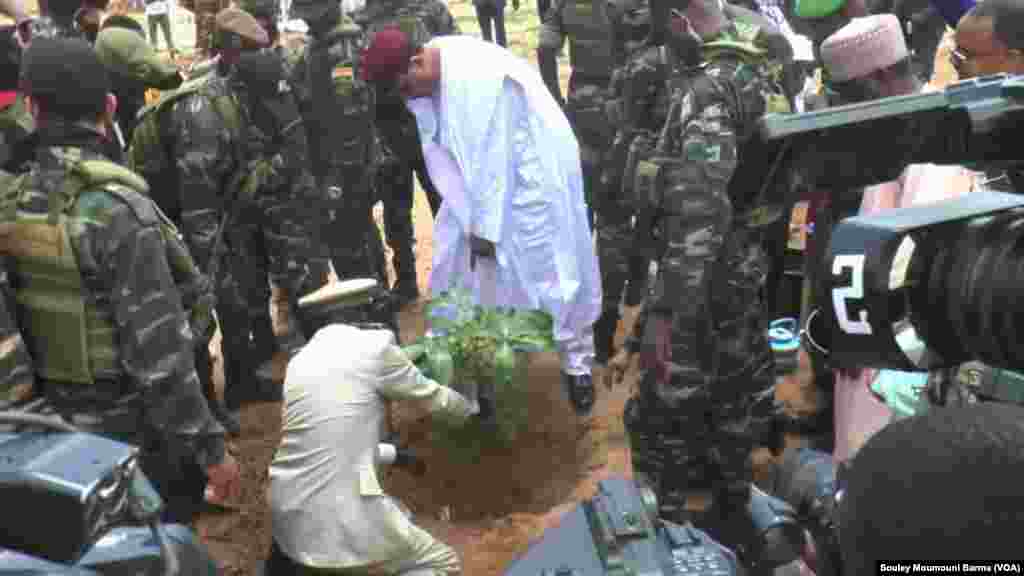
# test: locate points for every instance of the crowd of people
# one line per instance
(131, 229)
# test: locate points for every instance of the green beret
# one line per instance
(126, 53)
(814, 9)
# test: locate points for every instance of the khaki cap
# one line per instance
(241, 23)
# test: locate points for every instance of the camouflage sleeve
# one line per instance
(696, 209)
(15, 362)
(552, 32)
(153, 333)
(291, 215)
(202, 151)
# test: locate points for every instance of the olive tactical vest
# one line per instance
(590, 50)
(70, 338)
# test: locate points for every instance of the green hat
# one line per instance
(126, 53)
(815, 9)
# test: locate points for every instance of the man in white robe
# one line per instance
(513, 226)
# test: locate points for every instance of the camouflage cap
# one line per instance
(241, 23)
(126, 53)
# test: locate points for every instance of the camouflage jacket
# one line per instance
(345, 138)
(701, 324)
(208, 156)
(121, 258)
(15, 362)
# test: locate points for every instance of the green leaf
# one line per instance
(415, 350)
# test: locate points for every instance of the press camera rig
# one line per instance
(928, 287)
(79, 504)
(617, 532)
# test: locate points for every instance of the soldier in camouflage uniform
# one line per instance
(708, 373)
(591, 51)
(636, 111)
(238, 152)
(586, 24)
(111, 345)
(421, 20)
(338, 110)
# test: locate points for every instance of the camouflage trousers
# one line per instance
(206, 11)
(618, 263)
(702, 446)
(585, 107)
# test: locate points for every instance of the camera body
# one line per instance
(914, 289)
(927, 287)
(77, 504)
(617, 533)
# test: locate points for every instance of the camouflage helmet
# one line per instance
(234, 26)
(127, 54)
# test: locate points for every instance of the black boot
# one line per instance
(406, 289)
(581, 392)
(604, 335)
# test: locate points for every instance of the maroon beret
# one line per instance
(387, 56)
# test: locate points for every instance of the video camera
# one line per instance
(617, 532)
(926, 287)
(76, 503)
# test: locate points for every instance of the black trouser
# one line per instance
(397, 194)
(351, 236)
(486, 13)
(542, 8)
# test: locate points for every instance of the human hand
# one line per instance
(480, 248)
(223, 480)
(618, 366)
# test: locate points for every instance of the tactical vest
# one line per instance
(150, 155)
(351, 126)
(758, 162)
(71, 339)
(640, 124)
(590, 51)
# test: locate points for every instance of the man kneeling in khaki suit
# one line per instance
(329, 513)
